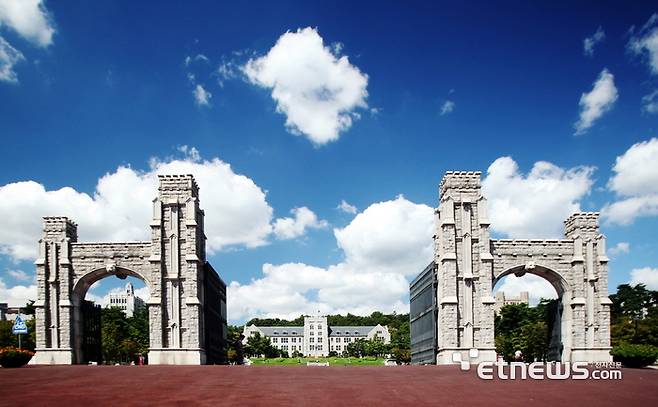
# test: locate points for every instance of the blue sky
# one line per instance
(88, 88)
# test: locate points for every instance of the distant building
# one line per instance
(502, 300)
(125, 300)
(316, 338)
(8, 313)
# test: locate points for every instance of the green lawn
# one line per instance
(333, 361)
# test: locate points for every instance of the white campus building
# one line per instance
(502, 299)
(125, 300)
(316, 337)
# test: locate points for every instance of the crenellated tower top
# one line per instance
(56, 228)
(456, 182)
(583, 224)
(177, 186)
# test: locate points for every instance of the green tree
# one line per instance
(138, 333)
(634, 316)
(521, 328)
(114, 331)
(260, 345)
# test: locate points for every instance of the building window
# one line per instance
(275, 340)
(346, 339)
(311, 326)
(311, 333)
(312, 347)
(319, 327)
(319, 347)
(312, 340)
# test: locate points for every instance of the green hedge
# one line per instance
(631, 355)
(12, 357)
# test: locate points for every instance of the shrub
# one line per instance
(632, 355)
(13, 357)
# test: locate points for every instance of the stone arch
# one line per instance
(86, 280)
(80, 288)
(560, 335)
(187, 307)
(559, 283)
(468, 262)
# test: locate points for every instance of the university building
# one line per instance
(502, 300)
(124, 300)
(316, 337)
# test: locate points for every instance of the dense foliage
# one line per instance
(260, 345)
(634, 325)
(631, 355)
(13, 357)
(123, 338)
(634, 315)
(521, 328)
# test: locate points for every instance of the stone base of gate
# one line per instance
(591, 355)
(177, 357)
(48, 356)
(445, 355)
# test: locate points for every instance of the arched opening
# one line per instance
(532, 319)
(110, 320)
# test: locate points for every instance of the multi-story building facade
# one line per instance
(502, 300)
(125, 300)
(316, 337)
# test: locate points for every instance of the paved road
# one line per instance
(95, 386)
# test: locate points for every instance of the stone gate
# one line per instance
(187, 305)
(452, 300)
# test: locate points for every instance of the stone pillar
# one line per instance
(53, 306)
(590, 305)
(179, 258)
(464, 269)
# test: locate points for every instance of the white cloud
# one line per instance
(383, 244)
(19, 295)
(9, 56)
(447, 107)
(29, 18)
(636, 183)
(346, 207)
(394, 236)
(619, 249)
(650, 102)
(537, 287)
(647, 276)
(201, 96)
(645, 43)
(237, 213)
(591, 41)
(597, 102)
(315, 88)
(143, 293)
(20, 275)
(536, 204)
(304, 218)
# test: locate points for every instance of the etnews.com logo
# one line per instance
(540, 370)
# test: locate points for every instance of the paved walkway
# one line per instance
(95, 386)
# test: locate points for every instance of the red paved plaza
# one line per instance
(95, 386)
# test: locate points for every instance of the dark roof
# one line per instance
(350, 330)
(282, 330)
